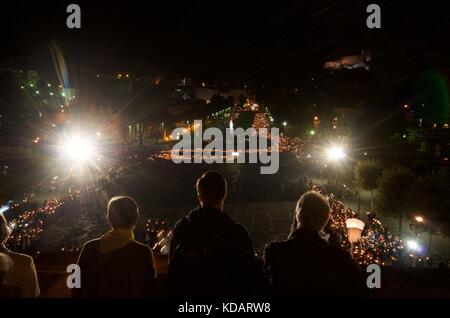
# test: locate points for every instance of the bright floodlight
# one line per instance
(335, 153)
(78, 149)
(413, 245)
(419, 219)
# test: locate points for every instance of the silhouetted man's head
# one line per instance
(123, 212)
(212, 189)
(312, 212)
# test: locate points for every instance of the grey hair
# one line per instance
(312, 212)
(5, 230)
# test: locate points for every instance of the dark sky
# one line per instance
(274, 42)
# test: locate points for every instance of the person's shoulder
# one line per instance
(90, 246)
(183, 221)
(91, 243)
(275, 246)
(340, 253)
(276, 249)
(140, 246)
(237, 228)
(20, 258)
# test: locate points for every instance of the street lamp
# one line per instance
(424, 228)
(77, 149)
(284, 124)
(413, 245)
(335, 153)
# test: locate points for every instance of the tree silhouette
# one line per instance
(393, 191)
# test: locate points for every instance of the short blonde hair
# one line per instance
(5, 230)
(123, 212)
(312, 211)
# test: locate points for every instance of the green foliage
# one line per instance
(429, 197)
(245, 120)
(393, 191)
(367, 173)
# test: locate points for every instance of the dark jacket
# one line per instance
(212, 255)
(126, 272)
(307, 266)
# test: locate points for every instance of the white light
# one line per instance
(419, 219)
(335, 153)
(413, 245)
(235, 153)
(78, 149)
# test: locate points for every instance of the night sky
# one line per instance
(276, 42)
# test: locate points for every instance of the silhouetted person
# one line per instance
(115, 265)
(21, 277)
(6, 267)
(304, 264)
(210, 254)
